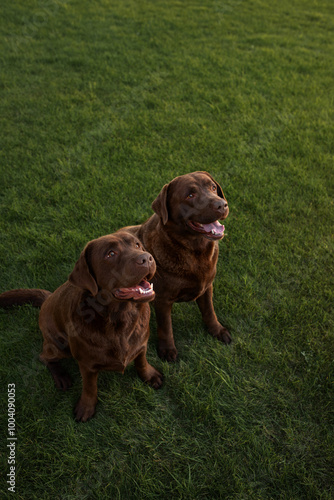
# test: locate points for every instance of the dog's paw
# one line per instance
(223, 335)
(152, 377)
(167, 353)
(83, 412)
(63, 382)
(156, 380)
(60, 376)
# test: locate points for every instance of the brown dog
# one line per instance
(183, 237)
(100, 316)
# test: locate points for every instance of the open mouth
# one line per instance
(141, 292)
(213, 230)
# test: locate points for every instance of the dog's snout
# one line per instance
(220, 205)
(144, 259)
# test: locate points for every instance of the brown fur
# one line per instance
(186, 259)
(85, 320)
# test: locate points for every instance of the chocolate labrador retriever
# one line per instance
(183, 237)
(100, 316)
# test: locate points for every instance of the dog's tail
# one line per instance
(33, 296)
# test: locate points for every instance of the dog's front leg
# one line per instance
(166, 345)
(85, 407)
(147, 372)
(205, 305)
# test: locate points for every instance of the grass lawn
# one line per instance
(101, 104)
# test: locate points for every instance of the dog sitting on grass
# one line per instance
(100, 316)
(182, 235)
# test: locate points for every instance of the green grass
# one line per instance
(101, 104)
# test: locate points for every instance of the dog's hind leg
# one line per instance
(50, 357)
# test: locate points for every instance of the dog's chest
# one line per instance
(188, 276)
(126, 339)
(121, 339)
(193, 285)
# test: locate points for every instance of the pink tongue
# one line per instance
(213, 226)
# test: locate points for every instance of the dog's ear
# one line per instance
(219, 189)
(160, 204)
(81, 275)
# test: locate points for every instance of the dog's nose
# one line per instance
(144, 259)
(220, 205)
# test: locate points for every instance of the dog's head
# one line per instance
(116, 265)
(194, 203)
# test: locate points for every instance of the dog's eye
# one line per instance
(191, 195)
(111, 253)
(137, 245)
(214, 187)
